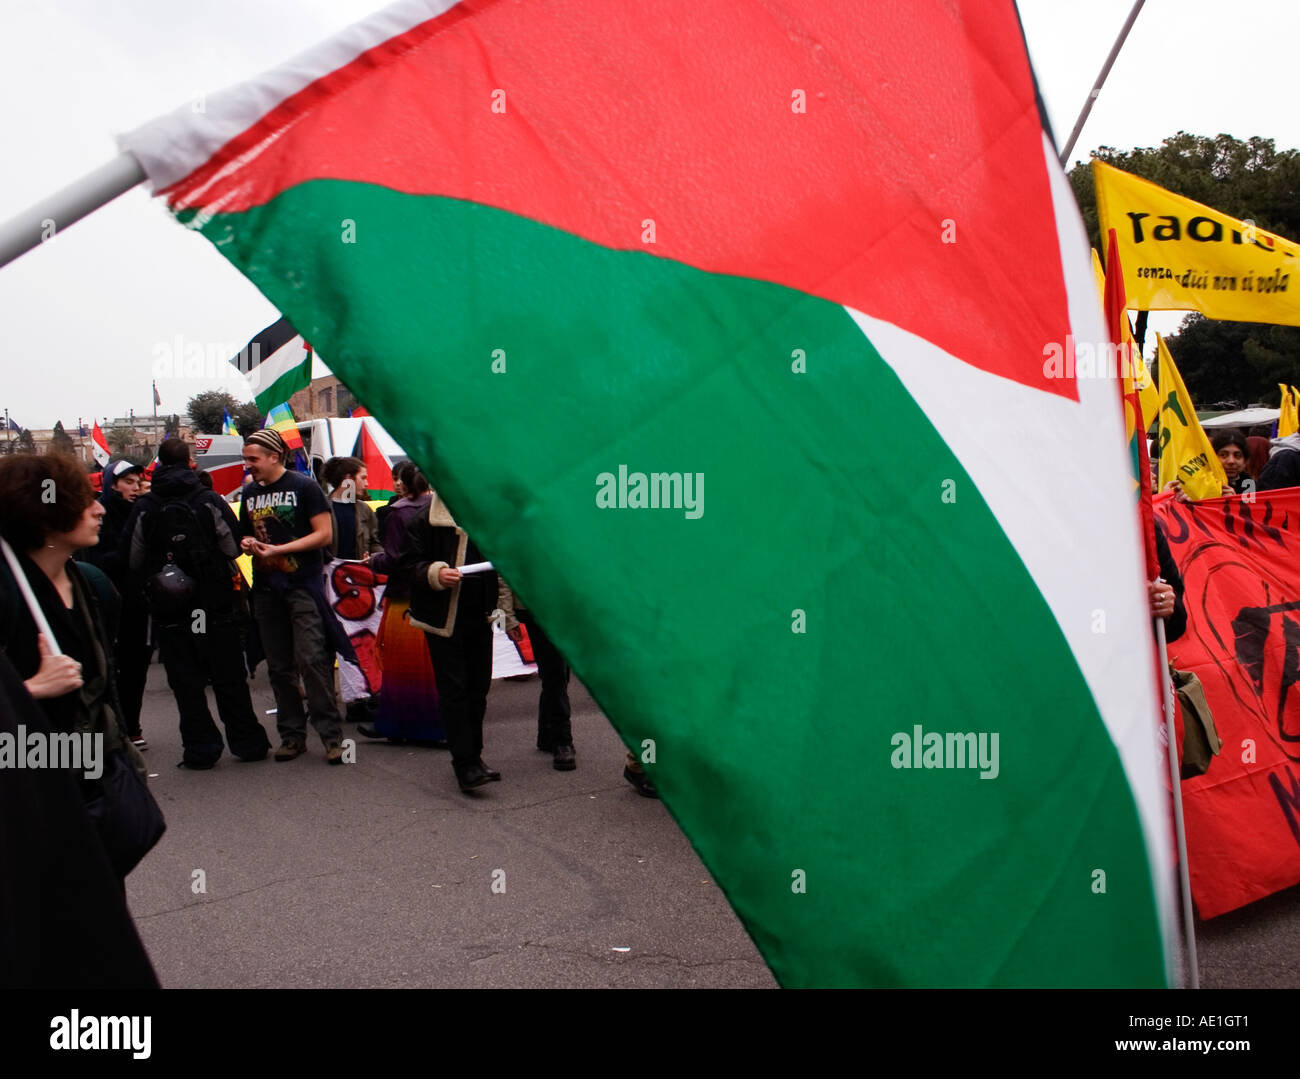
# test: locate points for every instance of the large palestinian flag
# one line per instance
(765, 288)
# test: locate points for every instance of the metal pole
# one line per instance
(1184, 879)
(1096, 87)
(42, 221)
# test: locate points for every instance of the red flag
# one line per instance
(1134, 423)
(376, 464)
(358, 412)
(99, 446)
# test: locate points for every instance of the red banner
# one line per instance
(1240, 561)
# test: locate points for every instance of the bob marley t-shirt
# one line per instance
(281, 512)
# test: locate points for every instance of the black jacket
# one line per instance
(63, 917)
(107, 554)
(182, 482)
(1176, 623)
(1282, 470)
(431, 542)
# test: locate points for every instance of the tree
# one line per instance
(247, 418)
(60, 442)
(1219, 361)
(120, 438)
(208, 411)
(24, 443)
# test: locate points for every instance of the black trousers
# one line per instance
(553, 705)
(462, 667)
(131, 655)
(217, 656)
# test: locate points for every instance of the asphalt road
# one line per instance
(380, 873)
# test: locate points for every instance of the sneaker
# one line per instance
(565, 760)
(334, 754)
(138, 741)
(289, 750)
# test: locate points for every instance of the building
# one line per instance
(326, 398)
(136, 437)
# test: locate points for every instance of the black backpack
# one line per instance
(185, 571)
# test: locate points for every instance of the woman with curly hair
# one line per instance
(48, 512)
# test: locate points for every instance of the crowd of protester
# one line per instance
(90, 586)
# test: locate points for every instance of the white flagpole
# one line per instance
(1096, 86)
(56, 212)
(1175, 778)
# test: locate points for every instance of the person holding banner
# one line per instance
(454, 611)
(1233, 451)
(55, 617)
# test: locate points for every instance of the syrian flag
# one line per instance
(277, 362)
(99, 446)
(770, 323)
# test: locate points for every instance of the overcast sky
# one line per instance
(83, 319)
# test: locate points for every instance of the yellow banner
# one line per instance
(1288, 422)
(1179, 255)
(1148, 395)
(1185, 453)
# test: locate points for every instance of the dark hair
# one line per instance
(175, 451)
(412, 479)
(205, 479)
(1231, 438)
(27, 513)
(338, 469)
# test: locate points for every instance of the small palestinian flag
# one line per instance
(724, 325)
(277, 362)
(378, 469)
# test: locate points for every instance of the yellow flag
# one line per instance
(1179, 255)
(1148, 395)
(1185, 453)
(1289, 421)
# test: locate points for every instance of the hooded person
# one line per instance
(181, 547)
(1283, 468)
(132, 649)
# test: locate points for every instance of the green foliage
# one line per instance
(121, 439)
(61, 441)
(208, 411)
(247, 418)
(1219, 361)
(1248, 179)
(25, 442)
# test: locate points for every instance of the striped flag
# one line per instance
(378, 468)
(770, 322)
(281, 418)
(99, 446)
(227, 424)
(277, 362)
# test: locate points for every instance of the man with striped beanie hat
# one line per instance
(285, 522)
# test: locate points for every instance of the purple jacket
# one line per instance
(396, 521)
